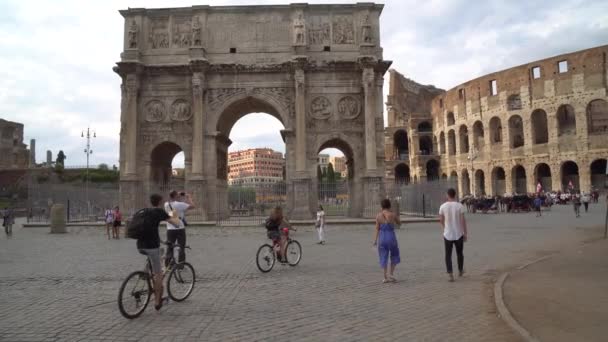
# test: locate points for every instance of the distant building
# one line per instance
(339, 164)
(256, 166)
(323, 161)
(14, 152)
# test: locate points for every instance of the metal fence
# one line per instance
(239, 205)
(419, 199)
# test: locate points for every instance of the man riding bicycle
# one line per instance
(149, 242)
(277, 227)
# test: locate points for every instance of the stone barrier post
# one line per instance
(58, 224)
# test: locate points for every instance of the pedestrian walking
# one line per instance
(451, 218)
(538, 203)
(109, 220)
(320, 225)
(576, 201)
(585, 198)
(386, 240)
(8, 219)
(117, 216)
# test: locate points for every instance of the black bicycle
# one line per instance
(268, 254)
(137, 289)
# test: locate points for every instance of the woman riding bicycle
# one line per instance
(278, 229)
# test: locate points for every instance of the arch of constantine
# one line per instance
(543, 122)
(188, 74)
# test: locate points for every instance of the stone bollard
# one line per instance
(58, 225)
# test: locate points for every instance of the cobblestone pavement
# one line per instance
(563, 298)
(64, 287)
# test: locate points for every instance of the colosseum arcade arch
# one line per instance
(478, 135)
(566, 120)
(402, 173)
(597, 117)
(401, 144)
(463, 136)
(442, 143)
(451, 120)
(465, 182)
(516, 131)
(480, 182)
(570, 176)
(540, 133)
(598, 174)
(432, 170)
(518, 176)
(451, 143)
(426, 145)
(495, 131)
(189, 74)
(499, 181)
(542, 175)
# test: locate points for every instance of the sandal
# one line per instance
(392, 280)
(385, 280)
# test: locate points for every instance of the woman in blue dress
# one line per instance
(386, 240)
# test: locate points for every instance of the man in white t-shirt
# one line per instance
(176, 234)
(451, 217)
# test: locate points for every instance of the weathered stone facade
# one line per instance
(541, 124)
(14, 152)
(190, 73)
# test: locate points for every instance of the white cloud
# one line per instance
(56, 77)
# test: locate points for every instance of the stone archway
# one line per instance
(426, 145)
(480, 183)
(495, 131)
(542, 175)
(432, 170)
(453, 176)
(341, 198)
(465, 182)
(451, 142)
(183, 81)
(597, 117)
(598, 174)
(160, 170)
(450, 119)
(518, 176)
(401, 144)
(566, 120)
(402, 173)
(463, 136)
(499, 181)
(570, 176)
(442, 143)
(540, 134)
(478, 135)
(516, 131)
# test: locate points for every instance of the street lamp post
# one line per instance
(88, 152)
(473, 153)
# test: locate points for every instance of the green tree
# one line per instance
(103, 167)
(331, 175)
(319, 173)
(60, 159)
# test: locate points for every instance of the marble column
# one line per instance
(197, 127)
(130, 118)
(370, 122)
(300, 86)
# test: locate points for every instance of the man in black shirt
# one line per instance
(149, 242)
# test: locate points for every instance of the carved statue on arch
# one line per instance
(299, 30)
(133, 35)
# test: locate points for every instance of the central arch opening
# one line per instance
(250, 161)
(167, 167)
(335, 174)
(570, 179)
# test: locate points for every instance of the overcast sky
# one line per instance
(56, 58)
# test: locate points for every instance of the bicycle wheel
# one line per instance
(134, 294)
(265, 258)
(294, 252)
(181, 281)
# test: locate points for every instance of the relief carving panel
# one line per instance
(155, 111)
(182, 32)
(159, 33)
(180, 110)
(349, 107)
(320, 108)
(343, 31)
(319, 31)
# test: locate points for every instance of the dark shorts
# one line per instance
(117, 223)
(274, 234)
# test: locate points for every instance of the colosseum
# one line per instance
(543, 122)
